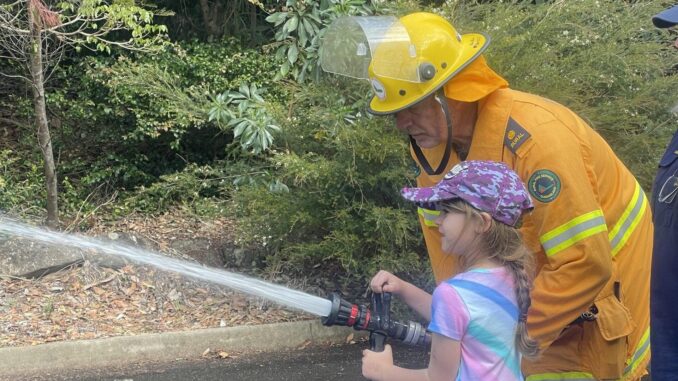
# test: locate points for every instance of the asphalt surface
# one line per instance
(337, 362)
(302, 350)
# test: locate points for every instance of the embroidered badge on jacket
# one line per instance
(544, 185)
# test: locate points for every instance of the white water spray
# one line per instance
(276, 293)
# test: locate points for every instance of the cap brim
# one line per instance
(426, 195)
(667, 18)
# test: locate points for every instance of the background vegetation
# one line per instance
(233, 118)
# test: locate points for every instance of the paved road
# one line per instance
(314, 363)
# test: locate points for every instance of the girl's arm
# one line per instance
(418, 299)
(445, 358)
(443, 365)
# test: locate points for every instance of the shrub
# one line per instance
(340, 202)
(190, 186)
(22, 188)
(123, 122)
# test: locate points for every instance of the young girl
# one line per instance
(478, 316)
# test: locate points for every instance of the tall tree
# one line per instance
(35, 34)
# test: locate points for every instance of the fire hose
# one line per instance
(376, 320)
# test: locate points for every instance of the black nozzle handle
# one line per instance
(386, 306)
(381, 306)
(377, 341)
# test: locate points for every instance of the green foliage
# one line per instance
(128, 120)
(202, 189)
(300, 25)
(22, 187)
(340, 204)
(134, 121)
(603, 59)
(159, 103)
(250, 121)
(173, 90)
(90, 23)
(192, 185)
(21, 184)
(34, 35)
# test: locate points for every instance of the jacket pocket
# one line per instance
(614, 319)
(608, 344)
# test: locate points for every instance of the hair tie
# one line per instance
(523, 313)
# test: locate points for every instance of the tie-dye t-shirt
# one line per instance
(479, 309)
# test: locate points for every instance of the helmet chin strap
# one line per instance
(440, 98)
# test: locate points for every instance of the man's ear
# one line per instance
(485, 222)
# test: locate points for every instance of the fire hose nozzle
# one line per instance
(375, 320)
(347, 314)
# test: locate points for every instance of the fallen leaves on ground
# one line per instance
(89, 302)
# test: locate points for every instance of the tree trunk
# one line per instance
(253, 24)
(210, 18)
(44, 139)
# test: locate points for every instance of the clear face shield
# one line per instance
(351, 44)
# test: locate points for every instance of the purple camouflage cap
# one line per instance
(488, 186)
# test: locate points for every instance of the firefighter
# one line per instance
(664, 260)
(591, 229)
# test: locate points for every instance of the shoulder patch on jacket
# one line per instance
(544, 185)
(515, 136)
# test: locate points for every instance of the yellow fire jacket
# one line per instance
(591, 232)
